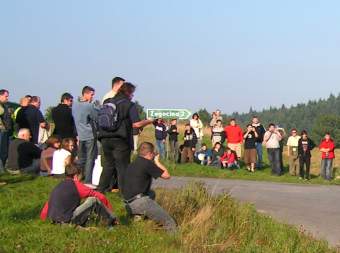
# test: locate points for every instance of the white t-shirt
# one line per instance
(59, 159)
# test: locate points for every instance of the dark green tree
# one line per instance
(327, 124)
(205, 116)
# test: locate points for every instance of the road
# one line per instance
(315, 207)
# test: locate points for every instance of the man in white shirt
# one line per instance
(292, 151)
(272, 140)
(117, 82)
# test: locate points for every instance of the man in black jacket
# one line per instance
(260, 130)
(63, 119)
(118, 144)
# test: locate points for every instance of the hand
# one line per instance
(163, 141)
(156, 159)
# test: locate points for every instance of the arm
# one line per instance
(142, 123)
(245, 135)
(44, 161)
(85, 192)
(165, 174)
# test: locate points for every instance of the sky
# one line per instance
(230, 55)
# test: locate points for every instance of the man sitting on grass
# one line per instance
(138, 176)
(64, 205)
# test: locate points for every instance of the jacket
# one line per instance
(309, 147)
(328, 145)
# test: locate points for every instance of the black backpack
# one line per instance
(108, 117)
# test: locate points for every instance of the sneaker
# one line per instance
(13, 172)
(114, 190)
(253, 170)
(300, 178)
(248, 168)
(2, 183)
(137, 218)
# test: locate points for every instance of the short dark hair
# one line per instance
(145, 148)
(232, 119)
(66, 96)
(71, 170)
(87, 89)
(52, 140)
(271, 124)
(116, 80)
(304, 132)
(204, 145)
(248, 125)
(127, 89)
(3, 91)
(196, 114)
(28, 96)
(218, 120)
(35, 99)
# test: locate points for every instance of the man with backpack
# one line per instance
(6, 127)
(116, 119)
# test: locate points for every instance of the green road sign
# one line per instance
(168, 113)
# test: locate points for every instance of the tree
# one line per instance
(327, 124)
(141, 111)
(205, 116)
(48, 114)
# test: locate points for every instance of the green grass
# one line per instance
(207, 224)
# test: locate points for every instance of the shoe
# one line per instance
(300, 178)
(248, 169)
(2, 183)
(252, 170)
(137, 218)
(114, 190)
(13, 172)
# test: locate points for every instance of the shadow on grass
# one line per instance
(13, 179)
(27, 214)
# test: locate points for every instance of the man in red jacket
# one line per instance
(327, 147)
(64, 204)
(234, 136)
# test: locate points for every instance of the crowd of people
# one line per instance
(84, 131)
(231, 145)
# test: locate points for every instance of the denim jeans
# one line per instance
(259, 152)
(87, 153)
(149, 208)
(92, 205)
(326, 170)
(274, 158)
(161, 148)
(116, 158)
(34, 168)
(4, 143)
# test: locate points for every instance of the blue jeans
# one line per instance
(87, 154)
(275, 162)
(161, 148)
(149, 208)
(259, 152)
(4, 143)
(326, 168)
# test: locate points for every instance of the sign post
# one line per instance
(181, 114)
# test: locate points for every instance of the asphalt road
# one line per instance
(315, 207)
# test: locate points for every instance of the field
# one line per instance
(206, 224)
(260, 175)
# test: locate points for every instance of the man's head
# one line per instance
(4, 95)
(71, 171)
(35, 101)
(255, 120)
(271, 127)
(219, 123)
(204, 147)
(127, 89)
(294, 132)
(147, 150)
(88, 93)
(24, 101)
(67, 99)
(232, 122)
(173, 122)
(327, 136)
(218, 112)
(117, 82)
(24, 134)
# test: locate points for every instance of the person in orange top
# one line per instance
(234, 136)
(64, 204)
(327, 147)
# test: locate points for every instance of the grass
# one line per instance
(196, 170)
(207, 224)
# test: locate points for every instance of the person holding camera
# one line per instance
(136, 191)
(272, 140)
(250, 147)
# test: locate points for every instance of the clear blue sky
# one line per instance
(186, 54)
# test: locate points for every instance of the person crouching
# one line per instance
(64, 204)
(138, 198)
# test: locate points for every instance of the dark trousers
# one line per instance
(116, 159)
(304, 163)
(275, 161)
(4, 143)
(92, 205)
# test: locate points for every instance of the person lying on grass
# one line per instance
(139, 200)
(64, 204)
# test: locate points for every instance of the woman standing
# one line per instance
(306, 145)
(197, 125)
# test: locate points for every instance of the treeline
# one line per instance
(317, 117)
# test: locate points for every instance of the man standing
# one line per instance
(272, 140)
(6, 127)
(215, 117)
(34, 118)
(118, 143)
(138, 198)
(117, 82)
(327, 147)
(234, 135)
(160, 135)
(63, 119)
(293, 154)
(260, 130)
(85, 115)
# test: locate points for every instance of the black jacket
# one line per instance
(190, 138)
(64, 122)
(173, 136)
(310, 147)
(260, 130)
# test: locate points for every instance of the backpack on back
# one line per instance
(108, 118)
